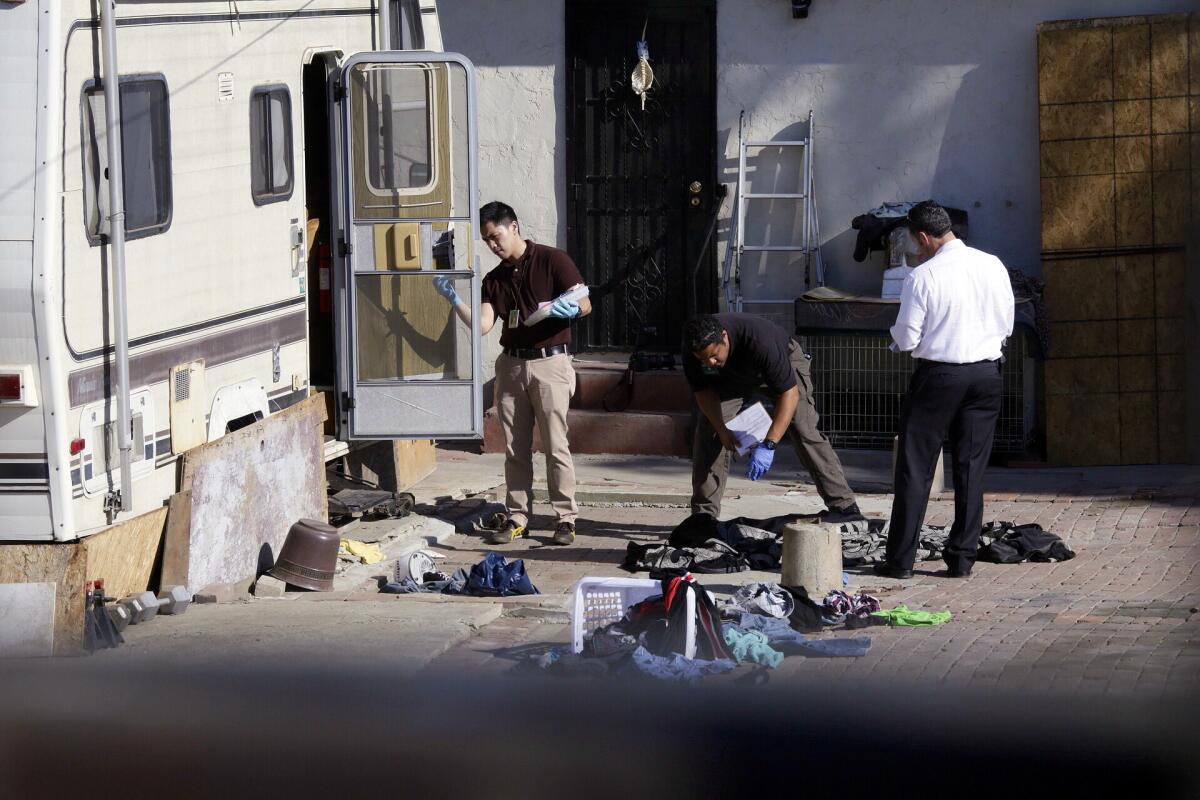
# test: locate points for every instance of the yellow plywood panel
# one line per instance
(1131, 117)
(1172, 424)
(1169, 115)
(1171, 372)
(1075, 65)
(1083, 339)
(1136, 374)
(1131, 61)
(1169, 57)
(1139, 428)
(124, 555)
(1081, 120)
(1171, 207)
(1077, 212)
(1083, 429)
(1169, 335)
(1080, 289)
(1131, 153)
(1135, 286)
(1136, 337)
(1077, 157)
(1134, 209)
(1170, 293)
(1082, 375)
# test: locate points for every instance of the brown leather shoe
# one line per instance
(564, 533)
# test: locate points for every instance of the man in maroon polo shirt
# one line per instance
(534, 376)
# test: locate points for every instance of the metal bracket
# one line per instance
(112, 503)
(344, 248)
(800, 9)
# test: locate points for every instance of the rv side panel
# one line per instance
(24, 473)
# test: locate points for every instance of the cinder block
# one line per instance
(267, 586)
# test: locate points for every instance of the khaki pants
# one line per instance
(710, 461)
(538, 390)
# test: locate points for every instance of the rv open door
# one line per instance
(408, 197)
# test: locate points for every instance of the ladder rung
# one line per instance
(763, 248)
(773, 196)
(795, 143)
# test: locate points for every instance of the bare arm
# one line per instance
(487, 316)
(710, 405)
(785, 409)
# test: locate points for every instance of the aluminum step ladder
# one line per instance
(810, 236)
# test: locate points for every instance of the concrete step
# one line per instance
(654, 390)
(628, 433)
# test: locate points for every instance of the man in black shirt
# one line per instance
(730, 358)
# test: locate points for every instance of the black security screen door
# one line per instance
(640, 180)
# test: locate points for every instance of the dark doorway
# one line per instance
(641, 181)
(318, 205)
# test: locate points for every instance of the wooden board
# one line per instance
(124, 555)
(242, 493)
(1119, 108)
(60, 564)
(416, 459)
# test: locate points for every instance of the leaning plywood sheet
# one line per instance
(61, 565)
(241, 493)
(124, 555)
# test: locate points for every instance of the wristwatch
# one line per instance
(769, 444)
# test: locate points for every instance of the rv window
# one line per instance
(145, 154)
(270, 144)
(409, 34)
(397, 128)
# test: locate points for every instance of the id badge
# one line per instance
(514, 319)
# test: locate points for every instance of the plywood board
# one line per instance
(61, 564)
(124, 555)
(246, 489)
(416, 459)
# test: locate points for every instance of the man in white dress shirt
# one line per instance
(956, 310)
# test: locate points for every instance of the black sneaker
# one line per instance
(836, 516)
(506, 535)
(564, 533)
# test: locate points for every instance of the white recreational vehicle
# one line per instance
(287, 183)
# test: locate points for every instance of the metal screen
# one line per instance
(859, 385)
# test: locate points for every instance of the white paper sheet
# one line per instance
(750, 427)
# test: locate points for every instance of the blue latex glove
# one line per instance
(760, 462)
(445, 287)
(564, 308)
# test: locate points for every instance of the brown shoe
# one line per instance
(564, 533)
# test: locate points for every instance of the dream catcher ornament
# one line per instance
(643, 76)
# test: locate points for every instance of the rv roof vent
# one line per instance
(224, 87)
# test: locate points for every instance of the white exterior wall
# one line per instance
(520, 62)
(915, 99)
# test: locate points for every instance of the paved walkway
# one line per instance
(1122, 617)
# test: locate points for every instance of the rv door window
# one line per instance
(145, 154)
(397, 128)
(270, 144)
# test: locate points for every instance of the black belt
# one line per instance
(955, 364)
(535, 352)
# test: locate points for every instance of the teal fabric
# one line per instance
(751, 646)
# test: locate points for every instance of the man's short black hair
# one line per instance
(700, 332)
(928, 217)
(497, 213)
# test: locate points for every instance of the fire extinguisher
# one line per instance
(324, 279)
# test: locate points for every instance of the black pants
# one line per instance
(962, 402)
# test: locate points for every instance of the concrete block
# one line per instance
(27, 619)
(266, 586)
(812, 558)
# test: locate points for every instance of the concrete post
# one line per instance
(812, 558)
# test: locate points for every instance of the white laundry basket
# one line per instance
(603, 601)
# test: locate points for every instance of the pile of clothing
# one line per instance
(703, 544)
(758, 625)
(491, 577)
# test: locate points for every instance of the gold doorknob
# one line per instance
(694, 187)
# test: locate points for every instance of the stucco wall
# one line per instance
(914, 99)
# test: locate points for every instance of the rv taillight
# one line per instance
(10, 386)
(77, 446)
